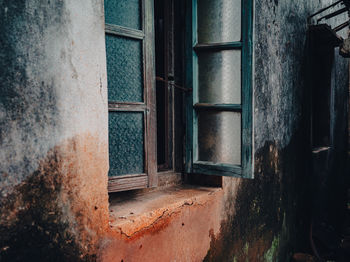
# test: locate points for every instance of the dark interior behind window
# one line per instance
(169, 50)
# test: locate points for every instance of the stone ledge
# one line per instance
(141, 212)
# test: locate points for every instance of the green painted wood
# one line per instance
(189, 85)
(208, 168)
(218, 46)
(247, 56)
(195, 80)
(218, 107)
(192, 165)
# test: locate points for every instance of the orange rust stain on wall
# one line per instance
(84, 187)
(160, 224)
(183, 234)
(65, 201)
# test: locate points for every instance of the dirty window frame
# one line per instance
(192, 47)
(170, 76)
(149, 178)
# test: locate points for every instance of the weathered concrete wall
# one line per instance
(267, 218)
(53, 145)
(53, 120)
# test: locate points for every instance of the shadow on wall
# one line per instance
(274, 210)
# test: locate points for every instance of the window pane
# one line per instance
(219, 21)
(124, 13)
(219, 137)
(219, 76)
(125, 69)
(126, 143)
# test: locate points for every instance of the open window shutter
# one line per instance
(220, 126)
(130, 74)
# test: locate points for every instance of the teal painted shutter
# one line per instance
(130, 74)
(219, 113)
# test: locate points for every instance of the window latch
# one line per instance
(160, 79)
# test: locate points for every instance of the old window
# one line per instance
(146, 42)
(145, 76)
(220, 70)
(131, 99)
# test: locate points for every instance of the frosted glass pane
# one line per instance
(124, 13)
(126, 143)
(219, 76)
(124, 69)
(219, 137)
(219, 21)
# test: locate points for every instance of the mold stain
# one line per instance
(60, 211)
(264, 225)
(270, 254)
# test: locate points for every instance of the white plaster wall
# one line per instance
(53, 79)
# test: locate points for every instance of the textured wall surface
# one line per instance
(54, 148)
(177, 225)
(53, 135)
(269, 217)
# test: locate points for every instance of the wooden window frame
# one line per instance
(163, 81)
(149, 178)
(245, 108)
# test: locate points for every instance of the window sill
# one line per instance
(141, 211)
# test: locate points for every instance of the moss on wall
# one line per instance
(271, 211)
